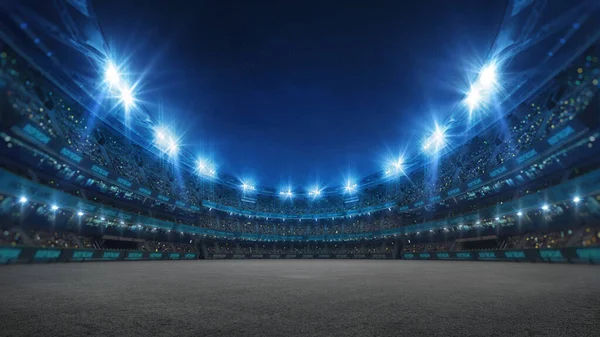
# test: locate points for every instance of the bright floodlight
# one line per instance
(126, 97)
(398, 164)
(350, 187)
(545, 207)
(576, 200)
(247, 187)
(488, 76)
(473, 98)
(436, 141)
(112, 75)
(80, 213)
(205, 167)
(54, 207)
(519, 213)
(287, 193)
(165, 141)
(316, 192)
(22, 200)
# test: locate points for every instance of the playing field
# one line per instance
(299, 298)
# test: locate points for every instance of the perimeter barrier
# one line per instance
(589, 255)
(230, 256)
(9, 255)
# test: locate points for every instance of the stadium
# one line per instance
(488, 224)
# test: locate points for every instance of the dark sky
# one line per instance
(300, 91)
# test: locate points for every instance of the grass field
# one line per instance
(299, 298)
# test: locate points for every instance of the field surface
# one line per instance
(299, 298)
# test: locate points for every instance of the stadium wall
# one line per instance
(10, 255)
(300, 256)
(566, 255)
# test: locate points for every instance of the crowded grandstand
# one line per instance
(75, 177)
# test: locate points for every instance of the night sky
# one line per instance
(300, 91)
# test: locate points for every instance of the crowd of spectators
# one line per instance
(158, 247)
(33, 98)
(10, 237)
(52, 239)
(428, 247)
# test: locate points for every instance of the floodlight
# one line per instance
(22, 200)
(54, 207)
(576, 200)
(165, 141)
(488, 76)
(112, 75)
(247, 187)
(350, 187)
(473, 98)
(436, 141)
(497, 219)
(545, 207)
(126, 96)
(398, 164)
(316, 192)
(519, 213)
(80, 213)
